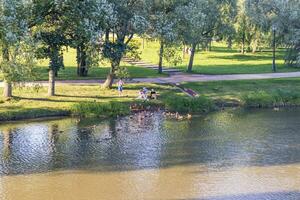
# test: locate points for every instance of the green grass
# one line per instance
(245, 91)
(95, 73)
(189, 105)
(273, 98)
(70, 70)
(94, 101)
(28, 103)
(219, 61)
(92, 109)
(223, 61)
(100, 72)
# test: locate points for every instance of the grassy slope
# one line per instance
(234, 90)
(223, 61)
(30, 104)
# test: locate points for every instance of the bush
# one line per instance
(189, 105)
(93, 109)
(258, 99)
(274, 98)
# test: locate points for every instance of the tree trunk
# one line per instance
(190, 67)
(243, 44)
(143, 44)
(51, 87)
(229, 43)
(254, 46)
(107, 35)
(109, 81)
(110, 77)
(82, 68)
(7, 90)
(161, 54)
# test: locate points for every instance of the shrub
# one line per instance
(286, 97)
(271, 99)
(93, 109)
(189, 105)
(258, 99)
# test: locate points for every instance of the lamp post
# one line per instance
(274, 48)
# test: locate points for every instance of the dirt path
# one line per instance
(179, 78)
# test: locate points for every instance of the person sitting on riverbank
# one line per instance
(143, 94)
(153, 94)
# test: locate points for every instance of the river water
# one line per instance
(229, 155)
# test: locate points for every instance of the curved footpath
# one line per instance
(179, 78)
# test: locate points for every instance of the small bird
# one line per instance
(178, 116)
(189, 116)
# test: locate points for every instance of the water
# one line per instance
(230, 155)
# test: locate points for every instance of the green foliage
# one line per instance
(172, 54)
(122, 72)
(258, 99)
(263, 99)
(133, 50)
(284, 16)
(29, 113)
(100, 109)
(16, 44)
(189, 105)
(49, 31)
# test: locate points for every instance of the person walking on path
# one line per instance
(120, 87)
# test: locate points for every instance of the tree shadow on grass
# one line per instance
(246, 57)
(47, 100)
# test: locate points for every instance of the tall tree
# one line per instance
(17, 58)
(225, 30)
(197, 23)
(162, 19)
(85, 24)
(248, 34)
(49, 27)
(284, 16)
(128, 19)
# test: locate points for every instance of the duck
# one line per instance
(189, 116)
(178, 116)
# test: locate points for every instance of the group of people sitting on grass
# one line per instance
(143, 94)
(146, 94)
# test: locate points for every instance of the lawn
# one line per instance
(227, 91)
(219, 61)
(223, 61)
(70, 70)
(29, 103)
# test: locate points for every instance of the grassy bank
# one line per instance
(251, 93)
(77, 100)
(222, 60)
(92, 101)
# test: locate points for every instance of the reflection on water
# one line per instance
(226, 155)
